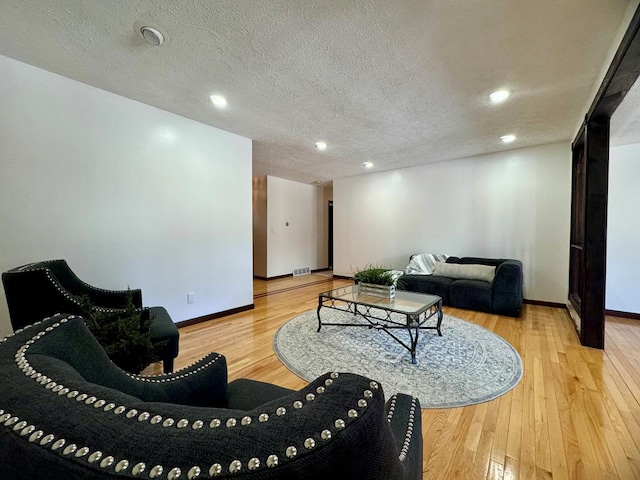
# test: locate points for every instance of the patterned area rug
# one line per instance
(468, 364)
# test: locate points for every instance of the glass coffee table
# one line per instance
(415, 310)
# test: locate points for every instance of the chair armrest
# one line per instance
(404, 416)
(111, 299)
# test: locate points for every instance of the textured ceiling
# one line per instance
(398, 83)
(625, 121)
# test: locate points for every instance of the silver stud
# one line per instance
(245, 420)
(5, 417)
(58, 444)
(339, 423)
(326, 434)
(70, 449)
(309, 443)
(155, 471)
(174, 473)
(19, 426)
(368, 394)
(143, 417)
(63, 391)
(291, 451)
(82, 397)
(281, 411)
(107, 462)
(50, 385)
(122, 465)
(119, 410)
(215, 470)
(57, 388)
(297, 404)
(109, 406)
(352, 413)
(310, 397)
(362, 403)
(215, 423)
(11, 421)
(73, 394)
(254, 463)
(138, 469)
(374, 385)
(95, 456)
(99, 404)
(197, 424)
(235, 466)
(335, 375)
(90, 400)
(194, 472)
(272, 461)
(35, 436)
(132, 413)
(46, 440)
(155, 419)
(168, 422)
(328, 382)
(231, 422)
(263, 417)
(320, 389)
(82, 452)
(182, 423)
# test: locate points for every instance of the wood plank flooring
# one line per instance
(574, 415)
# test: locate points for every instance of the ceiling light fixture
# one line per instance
(499, 96)
(218, 101)
(367, 164)
(507, 138)
(152, 35)
(321, 145)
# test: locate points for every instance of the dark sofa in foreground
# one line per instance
(503, 295)
(67, 412)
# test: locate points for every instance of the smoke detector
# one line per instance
(150, 33)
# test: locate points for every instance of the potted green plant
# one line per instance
(376, 280)
(125, 334)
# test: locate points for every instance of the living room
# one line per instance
(132, 194)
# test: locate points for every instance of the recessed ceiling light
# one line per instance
(507, 138)
(321, 145)
(152, 35)
(499, 96)
(218, 101)
(367, 164)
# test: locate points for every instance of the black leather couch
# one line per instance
(502, 296)
(67, 412)
(41, 289)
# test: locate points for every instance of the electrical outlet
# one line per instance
(191, 297)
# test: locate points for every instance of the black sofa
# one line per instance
(67, 412)
(41, 289)
(502, 296)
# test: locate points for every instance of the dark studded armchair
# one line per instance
(42, 289)
(67, 412)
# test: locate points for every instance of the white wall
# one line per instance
(513, 204)
(300, 243)
(623, 230)
(128, 194)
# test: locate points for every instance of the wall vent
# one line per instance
(301, 271)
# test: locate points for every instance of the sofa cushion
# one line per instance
(470, 294)
(469, 271)
(429, 284)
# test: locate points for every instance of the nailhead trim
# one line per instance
(407, 438)
(107, 462)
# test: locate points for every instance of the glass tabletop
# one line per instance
(409, 303)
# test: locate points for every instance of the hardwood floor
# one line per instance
(574, 415)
